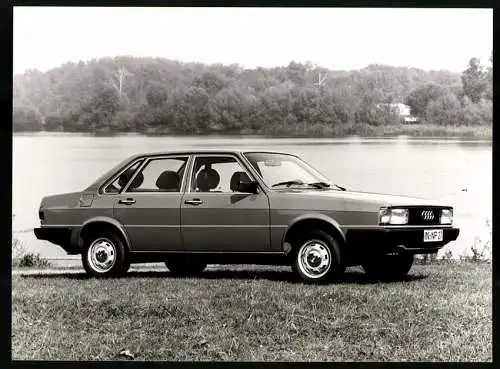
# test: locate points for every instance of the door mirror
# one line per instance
(247, 187)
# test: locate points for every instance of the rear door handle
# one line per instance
(193, 202)
(127, 201)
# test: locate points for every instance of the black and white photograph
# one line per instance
(252, 184)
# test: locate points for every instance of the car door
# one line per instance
(149, 205)
(215, 217)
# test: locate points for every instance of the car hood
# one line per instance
(369, 197)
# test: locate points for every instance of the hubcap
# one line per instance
(101, 255)
(314, 259)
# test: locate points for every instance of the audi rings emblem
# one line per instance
(427, 215)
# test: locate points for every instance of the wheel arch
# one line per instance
(104, 223)
(309, 221)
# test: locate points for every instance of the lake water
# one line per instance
(456, 171)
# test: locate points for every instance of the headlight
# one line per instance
(446, 216)
(393, 216)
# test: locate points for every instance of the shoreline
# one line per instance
(480, 133)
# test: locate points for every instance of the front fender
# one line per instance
(315, 217)
(109, 221)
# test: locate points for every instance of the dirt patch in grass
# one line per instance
(439, 313)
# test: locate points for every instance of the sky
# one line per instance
(335, 38)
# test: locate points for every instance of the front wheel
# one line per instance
(388, 267)
(104, 255)
(317, 257)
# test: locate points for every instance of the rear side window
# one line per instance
(117, 185)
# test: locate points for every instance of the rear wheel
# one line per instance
(316, 257)
(104, 255)
(185, 267)
(388, 267)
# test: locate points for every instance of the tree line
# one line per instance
(154, 95)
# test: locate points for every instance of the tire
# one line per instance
(316, 257)
(388, 267)
(185, 267)
(104, 255)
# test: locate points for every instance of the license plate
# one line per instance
(433, 235)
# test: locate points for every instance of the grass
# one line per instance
(323, 130)
(439, 313)
(366, 130)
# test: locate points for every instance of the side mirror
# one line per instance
(248, 187)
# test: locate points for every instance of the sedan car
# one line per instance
(193, 208)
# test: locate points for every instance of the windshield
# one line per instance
(282, 170)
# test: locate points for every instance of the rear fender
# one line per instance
(107, 221)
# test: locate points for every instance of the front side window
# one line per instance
(160, 175)
(217, 174)
(282, 170)
(117, 185)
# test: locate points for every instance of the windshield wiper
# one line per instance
(325, 185)
(340, 188)
(319, 184)
(301, 183)
(288, 183)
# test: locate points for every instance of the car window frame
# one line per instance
(102, 188)
(159, 157)
(259, 176)
(233, 156)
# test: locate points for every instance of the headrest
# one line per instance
(238, 177)
(207, 179)
(169, 181)
(125, 177)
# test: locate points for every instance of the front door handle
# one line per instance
(127, 201)
(193, 202)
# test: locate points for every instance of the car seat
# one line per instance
(207, 179)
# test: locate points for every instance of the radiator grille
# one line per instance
(424, 216)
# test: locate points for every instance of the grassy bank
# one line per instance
(345, 130)
(440, 313)
(365, 130)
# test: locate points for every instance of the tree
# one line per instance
(212, 82)
(476, 114)
(160, 95)
(98, 113)
(25, 118)
(156, 95)
(119, 80)
(443, 111)
(419, 99)
(474, 80)
(193, 113)
(296, 73)
(488, 93)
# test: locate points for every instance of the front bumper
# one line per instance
(60, 236)
(391, 239)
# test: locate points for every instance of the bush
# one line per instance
(20, 258)
(476, 114)
(31, 260)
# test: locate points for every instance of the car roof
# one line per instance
(203, 151)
